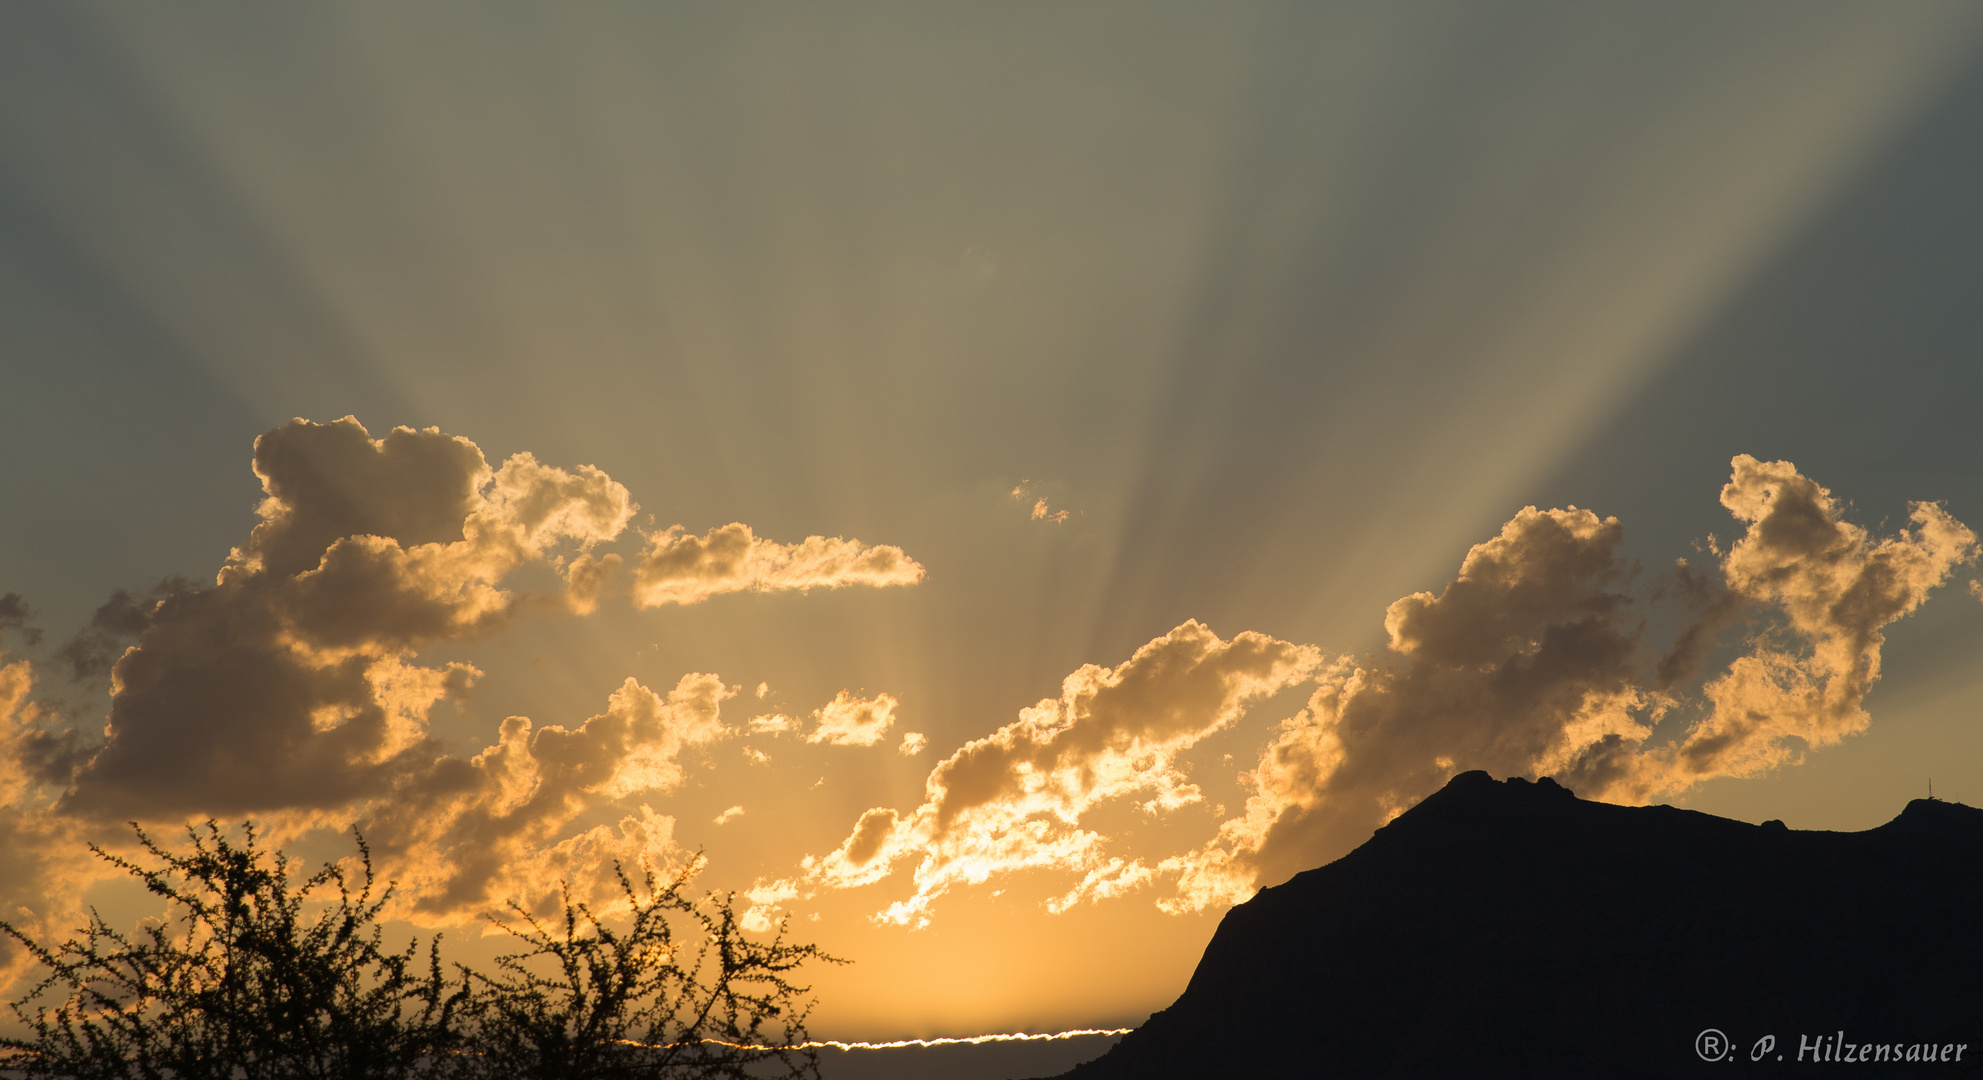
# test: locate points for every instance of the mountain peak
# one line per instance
(1497, 917)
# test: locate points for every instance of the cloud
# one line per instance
(1538, 658)
(1835, 589)
(1040, 511)
(1531, 653)
(589, 579)
(680, 568)
(466, 833)
(112, 628)
(1015, 799)
(290, 682)
(294, 688)
(14, 616)
(847, 720)
(44, 865)
(1534, 661)
(851, 721)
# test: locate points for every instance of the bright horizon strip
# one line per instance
(973, 1040)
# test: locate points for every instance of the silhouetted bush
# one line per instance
(253, 977)
(583, 1000)
(237, 981)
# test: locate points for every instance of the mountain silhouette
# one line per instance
(1512, 929)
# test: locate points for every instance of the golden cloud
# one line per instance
(468, 832)
(292, 687)
(852, 721)
(681, 568)
(1531, 662)
(1014, 800)
(289, 683)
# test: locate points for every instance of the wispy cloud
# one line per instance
(1041, 511)
(681, 568)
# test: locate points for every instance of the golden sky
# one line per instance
(1001, 484)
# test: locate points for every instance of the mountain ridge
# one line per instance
(1510, 928)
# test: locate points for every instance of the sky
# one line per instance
(1002, 484)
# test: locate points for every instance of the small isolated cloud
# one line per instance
(1040, 511)
(913, 743)
(729, 815)
(681, 568)
(756, 757)
(852, 721)
(772, 724)
(1014, 800)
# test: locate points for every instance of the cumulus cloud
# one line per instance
(112, 629)
(44, 867)
(681, 568)
(291, 687)
(1835, 588)
(1015, 799)
(467, 832)
(1534, 661)
(290, 682)
(296, 686)
(1538, 658)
